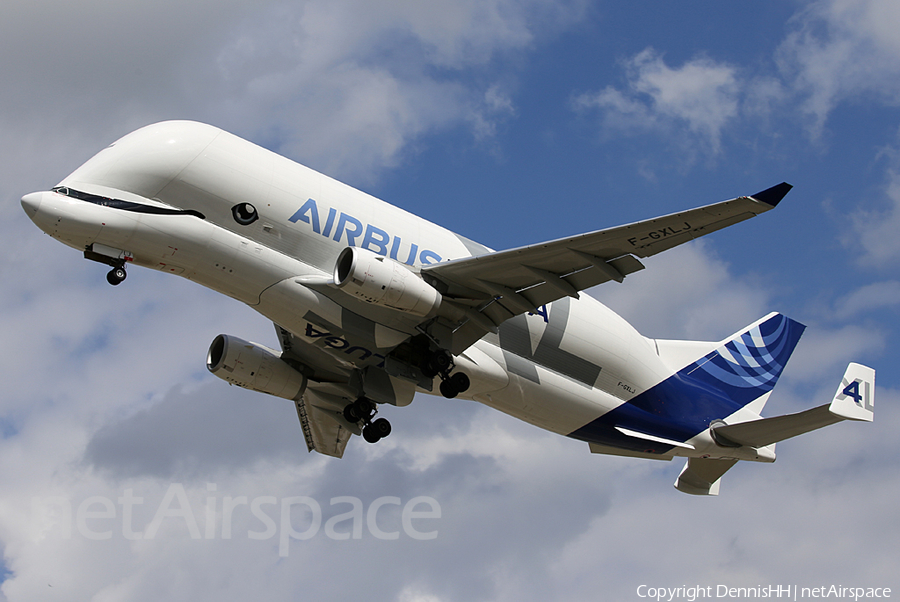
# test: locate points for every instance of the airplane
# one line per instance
(372, 304)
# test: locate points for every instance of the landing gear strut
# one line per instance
(116, 275)
(440, 363)
(363, 410)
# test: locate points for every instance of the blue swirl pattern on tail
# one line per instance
(748, 365)
(739, 371)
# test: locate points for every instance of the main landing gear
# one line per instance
(364, 410)
(440, 363)
(116, 275)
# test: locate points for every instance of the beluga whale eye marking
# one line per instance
(244, 214)
(372, 304)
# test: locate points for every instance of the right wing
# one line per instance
(486, 290)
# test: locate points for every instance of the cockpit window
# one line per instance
(104, 201)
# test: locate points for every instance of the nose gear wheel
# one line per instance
(116, 275)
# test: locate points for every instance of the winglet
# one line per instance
(772, 196)
(855, 397)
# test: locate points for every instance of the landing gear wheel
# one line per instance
(453, 385)
(116, 275)
(350, 414)
(381, 427)
(361, 409)
(440, 361)
(370, 435)
(460, 382)
(448, 390)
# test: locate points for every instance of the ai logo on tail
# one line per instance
(852, 390)
(855, 397)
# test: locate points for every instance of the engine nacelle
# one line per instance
(254, 367)
(385, 282)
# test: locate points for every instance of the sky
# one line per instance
(510, 122)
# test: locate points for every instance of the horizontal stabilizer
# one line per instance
(597, 448)
(653, 438)
(701, 476)
(854, 400)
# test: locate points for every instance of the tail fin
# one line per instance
(748, 365)
(728, 376)
(744, 366)
(732, 374)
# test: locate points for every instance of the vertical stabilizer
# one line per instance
(722, 379)
(748, 365)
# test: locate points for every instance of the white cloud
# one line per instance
(835, 51)
(346, 85)
(352, 83)
(698, 98)
(874, 228)
(843, 50)
(825, 350)
(870, 297)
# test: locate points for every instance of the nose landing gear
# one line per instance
(114, 258)
(116, 275)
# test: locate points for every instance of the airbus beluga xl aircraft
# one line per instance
(372, 304)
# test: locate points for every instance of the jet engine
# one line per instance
(253, 367)
(385, 282)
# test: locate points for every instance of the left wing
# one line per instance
(331, 386)
(329, 389)
(486, 290)
(324, 427)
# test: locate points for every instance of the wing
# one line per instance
(484, 291)
(324, 427)
(330, 387)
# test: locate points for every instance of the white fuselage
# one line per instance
(305, 219)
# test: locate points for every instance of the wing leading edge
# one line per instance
(487, 290)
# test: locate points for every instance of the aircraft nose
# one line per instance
(31, 203)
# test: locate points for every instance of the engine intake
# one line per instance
(382, 281)
(253, 366)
